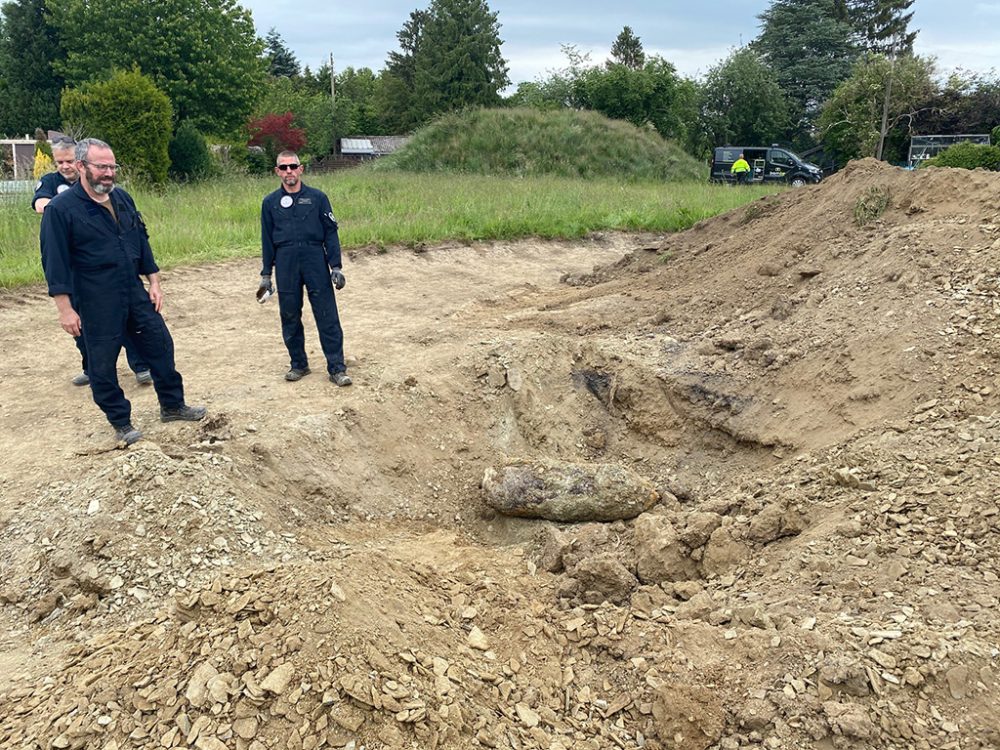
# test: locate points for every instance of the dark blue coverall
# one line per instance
(300, 241)
(49, 187)
(87, 253)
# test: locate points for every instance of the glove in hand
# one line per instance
(265, 290)
(337, 277)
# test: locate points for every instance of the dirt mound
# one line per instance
(809, 383)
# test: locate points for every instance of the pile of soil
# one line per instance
(809, 382)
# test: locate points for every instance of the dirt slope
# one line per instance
(811, 384)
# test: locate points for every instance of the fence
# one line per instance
(16, 192)
(924, 147)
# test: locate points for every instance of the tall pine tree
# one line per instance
(395, 93)
(449, 58)
(883, 26)
(460, 64)
(809, 45)
(627, 49)
(29, 86)
(280, 60)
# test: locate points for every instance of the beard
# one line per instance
(95, 183)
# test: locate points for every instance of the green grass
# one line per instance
(380, 209)
(530, 142)
(870, 205)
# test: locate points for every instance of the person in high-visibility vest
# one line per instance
(741, 170)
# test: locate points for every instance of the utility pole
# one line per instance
(884, 127)
(333, 86)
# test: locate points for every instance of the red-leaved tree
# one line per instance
(275, 133)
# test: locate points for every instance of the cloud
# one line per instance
(974, 56)
(533, 62)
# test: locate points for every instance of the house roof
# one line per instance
(356, 146)
(375, 145)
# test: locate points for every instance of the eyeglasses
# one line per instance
(102, 167)
(288, 167)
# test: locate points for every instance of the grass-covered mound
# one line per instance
(529, 142)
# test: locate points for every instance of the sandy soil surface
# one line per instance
(810, 387)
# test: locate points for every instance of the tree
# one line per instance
(966, 103)
(882, 26)
(556, 91)
(852, 119)
(29, 86)
(449, 58)
(742, 103)
(280, 60)
(130, 114)
(627, 49)
(808, 44)
(204, 54)
(308, 98)
(357, 111)
(312, 113)
(276, 133)
(397, 80)
(652, 95)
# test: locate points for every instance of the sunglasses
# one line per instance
(288, 167)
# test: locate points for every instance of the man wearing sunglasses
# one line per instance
(95, 246)
(51, 184)
(299, 240)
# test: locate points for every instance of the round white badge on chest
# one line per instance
(286, 201)
(62, 188)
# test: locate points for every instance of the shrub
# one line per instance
(131, 115)
(967, 156)
(189, 156)
(43, 164)
(258, 161)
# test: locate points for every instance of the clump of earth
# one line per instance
(770, 446)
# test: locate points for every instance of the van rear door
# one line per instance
(722, 162)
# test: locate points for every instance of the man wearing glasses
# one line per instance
(51, 184)
(95, 246)
(299, 239)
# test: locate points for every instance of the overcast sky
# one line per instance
(692, 35)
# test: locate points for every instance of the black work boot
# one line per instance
(340, 378)
(296, 373)
(127, 434)
(183, 413)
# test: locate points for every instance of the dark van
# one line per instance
(767, 164)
